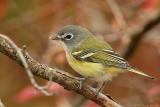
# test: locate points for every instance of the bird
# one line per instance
(92, 57)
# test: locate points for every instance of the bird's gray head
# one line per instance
(71, 35)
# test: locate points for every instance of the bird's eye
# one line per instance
(69, 36)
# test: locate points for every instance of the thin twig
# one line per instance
(1, 104)
(117, 13)
(138, 36)
(66, 80)
(27, 69)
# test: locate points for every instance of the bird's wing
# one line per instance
(107, 57)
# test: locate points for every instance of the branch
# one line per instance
(27, 69)
(116, 11)
(139, 35)
(66, 80)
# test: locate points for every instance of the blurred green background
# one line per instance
(31, 22)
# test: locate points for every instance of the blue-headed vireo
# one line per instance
(90, 56)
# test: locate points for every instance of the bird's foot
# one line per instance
(99, 89)
(97, 92)
(81, 80)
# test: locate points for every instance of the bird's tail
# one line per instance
(134, 70)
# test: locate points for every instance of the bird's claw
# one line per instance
(81, 80)
(97, 92)
(110, 97)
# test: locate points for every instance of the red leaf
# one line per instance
(3, 5)
(90, 103)
(148, 4)
(29, 92)
(26, 94)
(153, 91)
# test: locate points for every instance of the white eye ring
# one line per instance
(68, 36)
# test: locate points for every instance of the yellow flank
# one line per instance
(86, 69)
(113, 70)
(89, 69)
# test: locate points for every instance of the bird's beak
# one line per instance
(54, 37)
